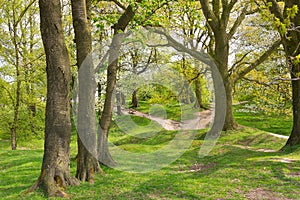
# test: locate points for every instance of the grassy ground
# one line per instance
(241, 166)
(274, 123)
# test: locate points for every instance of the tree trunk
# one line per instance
(291, 42)
(198, 92)
(87, 163)
(55, 171)
(221, 54)
(135, 101)
(219, 23)
(18, 89)
(118, 97)
(103, 151)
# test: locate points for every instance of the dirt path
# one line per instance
(200, 121)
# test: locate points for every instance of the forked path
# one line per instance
(201, 120)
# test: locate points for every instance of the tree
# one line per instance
(20, 42)
(217, 15)
(55, 170)
(287, 20)
(87, 163)
(119, 27)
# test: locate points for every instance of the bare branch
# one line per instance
(119, 4)
(237, 63)
(237, 22)
(209, 15)
(23, 13)
(260, 60)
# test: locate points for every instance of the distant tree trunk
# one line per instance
(87, 163)
(123, 101)
(55, 171)
(18, 89)
(134, 101)
(103, 151)
(118, 97)
(198, 92)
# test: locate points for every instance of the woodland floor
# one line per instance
(244, 164)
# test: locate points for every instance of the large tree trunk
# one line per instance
(221, 54)
(291, 42)
(103, 151)
(87, 163)
(55, 171)
(219, 24)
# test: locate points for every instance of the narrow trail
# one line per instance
(200, 121)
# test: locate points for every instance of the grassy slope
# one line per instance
(233, 170)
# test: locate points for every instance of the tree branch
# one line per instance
(209, 15)
(276, 10)
(119, 4)
(237, 22)
(260, 60)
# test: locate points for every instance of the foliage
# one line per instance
(22, 71)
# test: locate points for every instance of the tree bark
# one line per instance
(119, 108)
(218, 24)
(291, 43)
(103, 151)
(198, 92)
(134, 100)
(87, 163)
(18, 89)
(55, 171)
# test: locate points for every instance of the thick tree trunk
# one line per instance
(103, 151)
(221, 54)
(291, 42)
(87, 163)
(55, 171)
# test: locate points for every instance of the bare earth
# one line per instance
(200, 121)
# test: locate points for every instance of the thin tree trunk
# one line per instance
(198, 92)
(87, 163)
(18, 89)
(55, 171)
(135, 101)
(118, 98)
(103, 151)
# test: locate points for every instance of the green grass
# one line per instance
(235, 168)
(170, 110)
(273, 123)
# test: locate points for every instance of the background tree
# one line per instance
(218, 16)
(21, 66)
